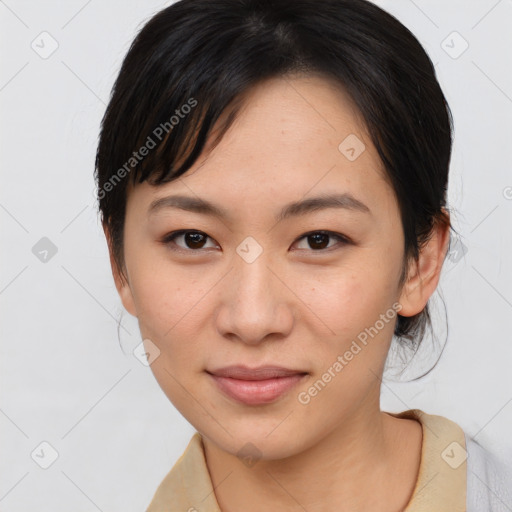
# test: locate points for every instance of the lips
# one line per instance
(256, 386)
(260, 373)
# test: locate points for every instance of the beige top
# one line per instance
(441, 483)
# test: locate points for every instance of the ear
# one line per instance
(122, 284)
(424, 274)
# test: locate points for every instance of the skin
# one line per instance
(295, 306)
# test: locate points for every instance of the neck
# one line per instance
(370, 462)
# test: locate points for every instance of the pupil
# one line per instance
(194, 239)
(317, 238)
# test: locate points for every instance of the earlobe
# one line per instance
(125, 293)
(424, 274)
(122, 284)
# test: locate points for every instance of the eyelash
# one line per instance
(168, 239)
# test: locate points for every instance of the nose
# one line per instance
(255, 303)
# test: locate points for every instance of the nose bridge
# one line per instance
(254, 280)
(256, 301)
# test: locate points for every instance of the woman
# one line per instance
(272, 181)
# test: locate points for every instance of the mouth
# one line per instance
(256, 386)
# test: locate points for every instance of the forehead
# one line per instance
(291, 136)
(311, 104)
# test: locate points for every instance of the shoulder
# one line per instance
(187, 487)
(456, 470)
(489, 480)
(441, 482)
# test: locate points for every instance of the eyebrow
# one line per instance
(198, 205)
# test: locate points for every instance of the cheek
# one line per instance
(357, 307)
(159, 291)
(353, 298)
(170, 304)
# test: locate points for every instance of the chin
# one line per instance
(265, 442)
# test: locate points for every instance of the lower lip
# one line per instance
(257, 392)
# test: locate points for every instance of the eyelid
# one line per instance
(168, 240)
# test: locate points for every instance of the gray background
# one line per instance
(66, 380)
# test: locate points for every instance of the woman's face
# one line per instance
(252, 289)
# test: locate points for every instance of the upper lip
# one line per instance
(259, 373)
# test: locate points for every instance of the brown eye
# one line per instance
(319, 240)
(194, 240)
(191, 240)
